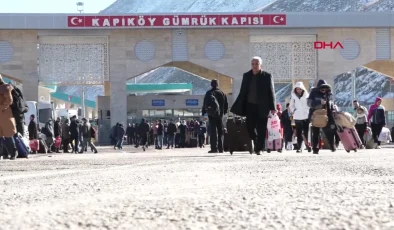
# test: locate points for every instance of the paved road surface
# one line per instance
(189, 189)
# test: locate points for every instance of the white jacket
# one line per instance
(299, 106)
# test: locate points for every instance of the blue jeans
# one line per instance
(119, 143)
(160, 141)
(170, 140)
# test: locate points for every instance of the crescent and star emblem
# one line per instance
(75, 23)
(275, 19)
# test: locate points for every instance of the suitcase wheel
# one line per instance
(268, 150)
(231, 152)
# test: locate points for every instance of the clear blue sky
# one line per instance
(52, 6)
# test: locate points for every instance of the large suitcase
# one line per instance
(349, 138)
(238, 139)
(23, 151)
(274, 145)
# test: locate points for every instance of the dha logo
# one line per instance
(320, 45)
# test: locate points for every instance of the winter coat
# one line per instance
(32, 128)
(65, 131)
(377, 113)
(361, 119)
(85, 130)
(120, 132)
(143, 129)
(57, 129)
(265, 94)
(160, 129)
(171, 130)
(130, 131)
(74, 128)
(7, 120)
(315, 97)
(299, 104)
(286, 124)
(50, 130)
(221, 99)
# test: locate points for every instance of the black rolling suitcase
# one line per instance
(238, 139)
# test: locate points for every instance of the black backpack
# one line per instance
(19, 105)
(213, 108)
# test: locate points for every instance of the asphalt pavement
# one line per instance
(191, 189)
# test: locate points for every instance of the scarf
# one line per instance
(360, 115)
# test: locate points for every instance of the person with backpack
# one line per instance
(256, 100)
(216, 106)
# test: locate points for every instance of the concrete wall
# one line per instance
(330, 61)
(124, 64)
(23, 65)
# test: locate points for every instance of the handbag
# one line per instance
(319, 118)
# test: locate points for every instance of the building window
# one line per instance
(178, 113)
(168, 112)
(157, 113)
(145, 113)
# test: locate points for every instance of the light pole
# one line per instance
(80, 8)
(353, 76)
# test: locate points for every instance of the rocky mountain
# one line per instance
(174, 75)
(329, 6)
(369, 85)
(169, 6)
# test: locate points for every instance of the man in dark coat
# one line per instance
(216, 120)
(58, 128)
(255, 101)
(171, 130)
(285, 121)
(65, 135)
(32, 128)
(319, 98)
(143, 132)
(130, 132)
(74, 131)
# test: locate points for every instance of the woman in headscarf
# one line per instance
(377, 119)
(300, 110)
(7, 121)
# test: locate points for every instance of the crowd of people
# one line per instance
(256, 101)
(160, 134)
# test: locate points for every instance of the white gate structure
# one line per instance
(73, 60)
(286, 57)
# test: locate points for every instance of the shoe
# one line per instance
(221, 151)
(12, 158)
(316, 151)
(212, 151)
(143, 148)
(309, 149)
(257, 152)
(299, 151)
(95, 152)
